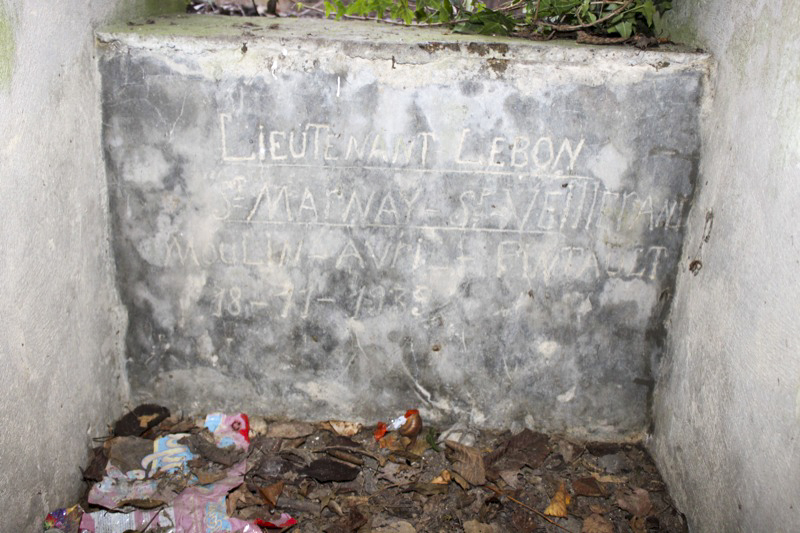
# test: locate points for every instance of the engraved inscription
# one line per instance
(537, 221)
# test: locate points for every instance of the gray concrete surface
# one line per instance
(727, 412)
(61, 324)
(316, 219)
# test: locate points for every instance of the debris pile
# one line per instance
(234, 473)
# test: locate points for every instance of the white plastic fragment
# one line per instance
(397, 423)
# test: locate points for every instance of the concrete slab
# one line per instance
(319, 219)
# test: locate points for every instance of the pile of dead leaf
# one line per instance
(337, 476)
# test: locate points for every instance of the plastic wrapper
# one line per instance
(157, 471)
(397, 423)
(108, 522)
(229, 430)
(116, 487)
(64, 520)
(201, 508)
(409, 424)
(284, 521)
(168, 455)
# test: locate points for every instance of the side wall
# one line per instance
(727, 408)
(60, 321)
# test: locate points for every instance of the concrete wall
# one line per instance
(60, 323)
(727, 408)
(483, 277)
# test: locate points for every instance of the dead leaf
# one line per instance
(394, 442)
(404, 457)
(325, 500)
(473, 526)
(142, 418)
(442, 479)
(463, 483)
(598, 509)
(271, 493)
(342, 427)
(97, 465)
(292, 443)
(355, 501)
(234, 498)
(568, 450)
(289, 430)
(204, 477)
(587, 486)
(526, 448)
(126, 453)
(258, 425)
(428, 489)
(346, 457)
(349, 523)
(638, 524)
(637, 502)
(559, 502)
(397, 474)
(524, 521)
(325, 469)
(141, 503)
(595, 523)
(396, 527)
(511, 477)
(468, 462)
(170, 426)
(202, 444)
(608, 478)
(419, 446)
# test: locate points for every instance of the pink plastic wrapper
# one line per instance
(201, 508)
(197, 509)
(229, 430)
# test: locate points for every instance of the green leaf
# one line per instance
(446, 11)
(430, 438)
(487, 22)
(585, 8)
(480, 19)
(341, 10)
(658, 25)
(648, 9)
(625, 29)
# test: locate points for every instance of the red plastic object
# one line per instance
(380, 431)
(284, 521)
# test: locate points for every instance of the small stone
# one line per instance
(458, 433)
(396, 527)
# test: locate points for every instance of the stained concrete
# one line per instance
(61, 322)
(727, 412)
(318, 219)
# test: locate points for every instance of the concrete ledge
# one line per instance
(320, 219)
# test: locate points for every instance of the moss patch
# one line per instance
(7, 48)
